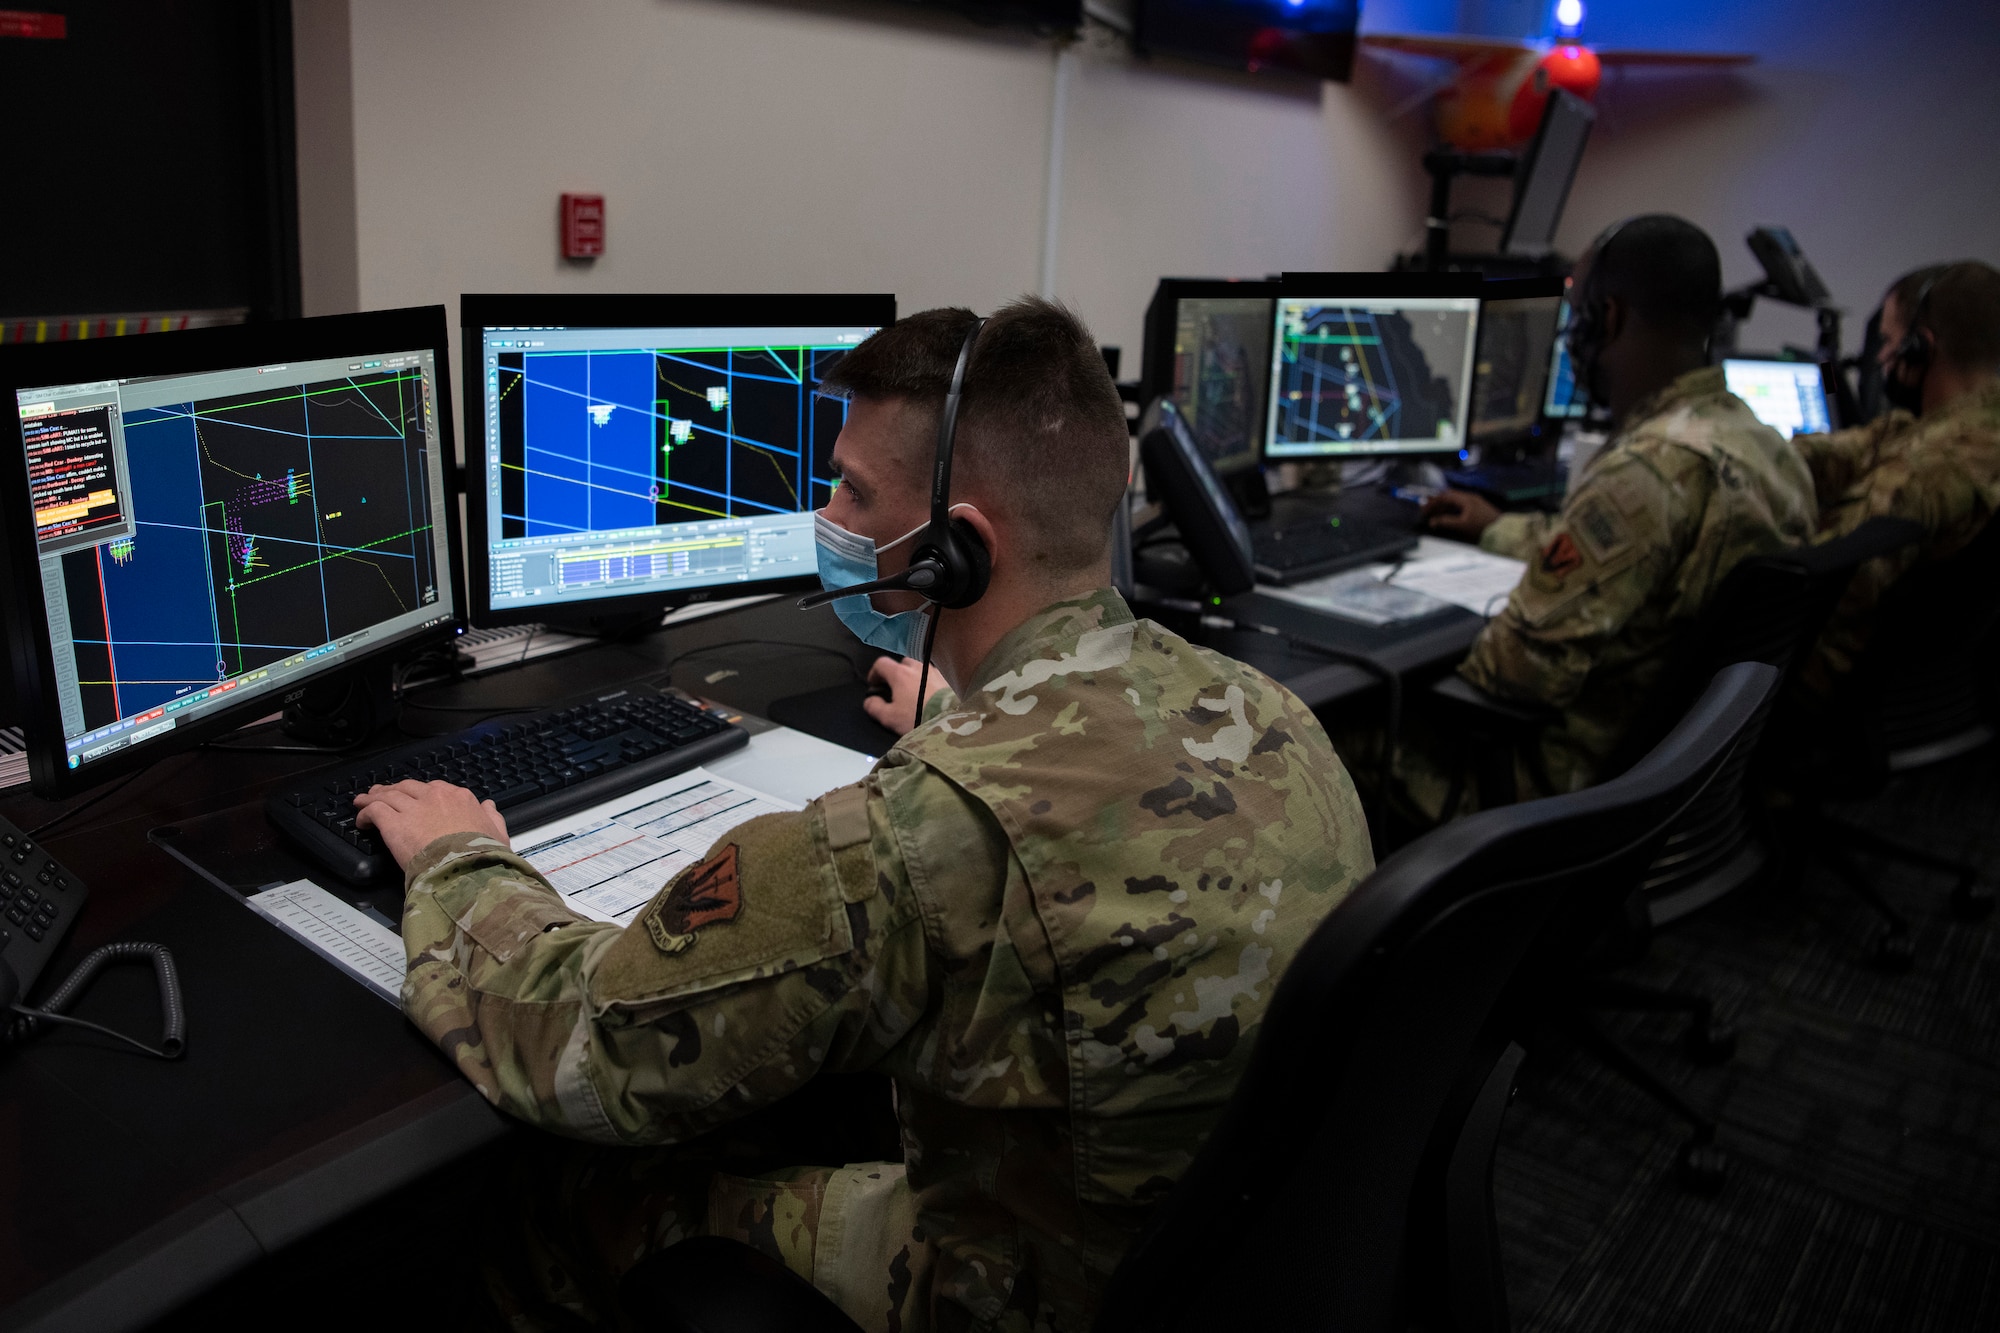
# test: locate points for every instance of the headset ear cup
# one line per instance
(972, 565)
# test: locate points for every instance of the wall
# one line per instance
(1867, 128)
(745, 145)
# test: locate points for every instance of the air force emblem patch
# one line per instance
(705, 895)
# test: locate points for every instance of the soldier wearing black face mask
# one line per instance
(1934, 458)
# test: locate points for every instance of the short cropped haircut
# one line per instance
(1665, 268)
(1041, 429)
(1962, 310)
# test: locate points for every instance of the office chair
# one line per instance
(1913, 699)
(1769, 609)
(1348, 1184)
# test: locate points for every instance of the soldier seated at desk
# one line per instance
(1934, 458)
(1689, 483)
(1054, 912)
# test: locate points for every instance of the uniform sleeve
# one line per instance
(1518, 536)
(1614, 543)
(795, 946)
(1842, 458)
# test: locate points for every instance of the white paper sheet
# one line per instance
(1462, 575)
(353, 940)
(609, 861)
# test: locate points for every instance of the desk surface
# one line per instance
(302, 1096)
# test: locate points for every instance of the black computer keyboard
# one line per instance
(1325, 545)
(538, 769)
(38, 901)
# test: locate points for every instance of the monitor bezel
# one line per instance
(1156, 348)
(1521, 289)
(1330, 286)
(191, 351)
(1530, 166)
(479, 311)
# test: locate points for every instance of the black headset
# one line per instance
(1586, 319)
(1913, 353)
(950, 565)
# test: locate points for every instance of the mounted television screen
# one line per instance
(1313, 37)
(1041, 15)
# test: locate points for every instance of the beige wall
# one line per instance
(1868, 129)
(752, 146)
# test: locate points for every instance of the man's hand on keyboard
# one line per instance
(410, 815)
(1459, 514)
(897, 675)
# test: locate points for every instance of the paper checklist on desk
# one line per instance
(609, 862)
(351, 939)
(1463, 575)
(606, 862)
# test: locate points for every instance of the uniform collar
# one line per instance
(1705, 382)
(1983, 401)
(1052, 632)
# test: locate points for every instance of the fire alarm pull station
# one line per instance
(582, 226)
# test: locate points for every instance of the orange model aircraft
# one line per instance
(1502, 83)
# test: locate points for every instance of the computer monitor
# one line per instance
(1517, 328)
(200, 524)
(1371, 363)
(636, 453)
(1787, 396)
(1208, 352)
(1566, 400)
(1542, 180)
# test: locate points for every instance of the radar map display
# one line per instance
(1370, 377)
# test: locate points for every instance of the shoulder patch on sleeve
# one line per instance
(1560, 557)
(763, 903)
(705, 895)
(846, 810)
(1603, 532)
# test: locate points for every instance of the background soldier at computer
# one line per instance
(1054, 913)
(1689, 484)
(1934, 458)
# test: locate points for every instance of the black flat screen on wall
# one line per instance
(1314, 37)
(150, 160)
(1040, 15)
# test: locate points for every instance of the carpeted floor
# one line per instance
(1861, 1115)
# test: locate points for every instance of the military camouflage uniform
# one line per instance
(1942, 471)
(1693, 484)
(1053, 913)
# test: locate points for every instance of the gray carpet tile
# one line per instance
(1861, 1113)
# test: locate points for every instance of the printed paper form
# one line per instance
(610, 861)
(1463, 575)
(1443, 571)
(357, 943)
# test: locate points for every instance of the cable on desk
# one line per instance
(28, 1022)
(84, 805)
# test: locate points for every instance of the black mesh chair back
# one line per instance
(1769, 609)
(1918, 688)
(1341, 1189)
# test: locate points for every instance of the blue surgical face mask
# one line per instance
(847, 558)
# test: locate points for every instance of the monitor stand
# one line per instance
(343, 708)
(626, 625)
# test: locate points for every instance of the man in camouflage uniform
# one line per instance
(1053, 913)
(1689, 484)
(1940, 357)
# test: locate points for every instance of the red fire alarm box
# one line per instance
(582, 226)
